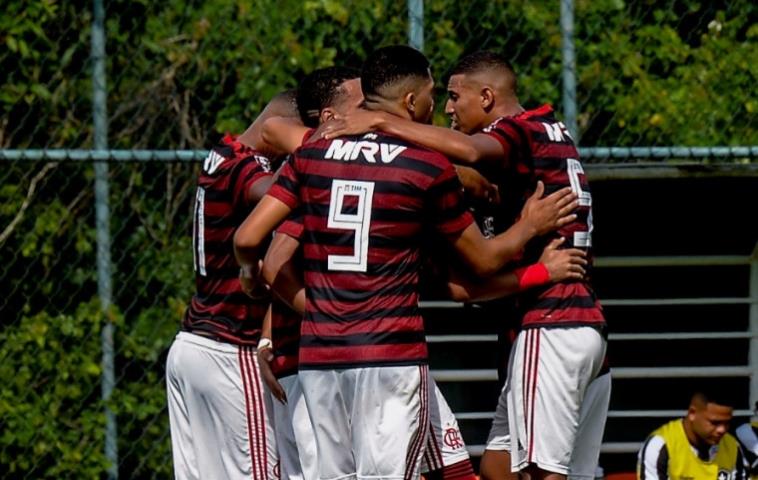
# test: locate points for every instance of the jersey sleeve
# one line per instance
(252, 169)
(448, 211)
(653, 460)
(287, 186)
(292, 227)
(512, 138)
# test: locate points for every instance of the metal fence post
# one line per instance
(753, 359)
(102, 224)
(416, 24)
(569, 68)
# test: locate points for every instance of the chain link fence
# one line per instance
(179, 74)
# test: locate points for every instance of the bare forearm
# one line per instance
(509, 245)
(288, 286)
(456, 145)
(250, 236)
(464, 289)
(246, 256)
(266, 328)
(283, 134)
(486, 257)
(281, 271)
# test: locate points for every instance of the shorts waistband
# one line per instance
(207, 342)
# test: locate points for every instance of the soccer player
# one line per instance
(696, 446)
(219, 426)
(294, 433)
(322, 94)
(552, 410)
(365, 202)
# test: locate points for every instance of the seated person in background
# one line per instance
(696, 447)
(747, 435)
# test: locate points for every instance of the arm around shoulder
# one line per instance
(459, 147)
(285, 134)
(248, 238)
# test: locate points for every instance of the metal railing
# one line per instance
(740, 371)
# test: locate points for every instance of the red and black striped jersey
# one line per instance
(285, 322)
(366, 201)
(220, 307)
(539, 147)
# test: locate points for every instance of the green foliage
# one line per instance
(674, 73)
(53, 420)
(50, 401)
(181, 73)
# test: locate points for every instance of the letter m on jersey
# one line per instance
(339, 150)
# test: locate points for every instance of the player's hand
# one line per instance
(265, 356)
(476, 187)
(352, 123)
(565, 264)
(252, 282)
(552, 212)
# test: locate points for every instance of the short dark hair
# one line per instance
(711, 394)
(319, 89)
(481, 61)
(388, 65)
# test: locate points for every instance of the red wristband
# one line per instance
(532, 276)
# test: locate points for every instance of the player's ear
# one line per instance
(487, 98)
(691, 413)
(325, 115)
(409, 102)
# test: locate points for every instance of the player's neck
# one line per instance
(508, 108)
(499, 111)
(692, 437)
(383, 105)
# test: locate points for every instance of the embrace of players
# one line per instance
(303, 353)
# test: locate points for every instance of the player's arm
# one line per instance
(252, 181)
(265, 356)
(250, 236)
(285, 134)
(281, 272)
(539, 216)
(258, 189)
(475, 187)
(553, 266)
(652, 462)
(459, 147)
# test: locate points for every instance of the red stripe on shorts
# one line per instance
(534, 393)
(435, 453)
(418, 444)
(261, 416)
(246, 387)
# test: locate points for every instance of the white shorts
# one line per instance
(553, 407)
(445, 445)
(217, 411)
(369, 422)
(294, 434)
